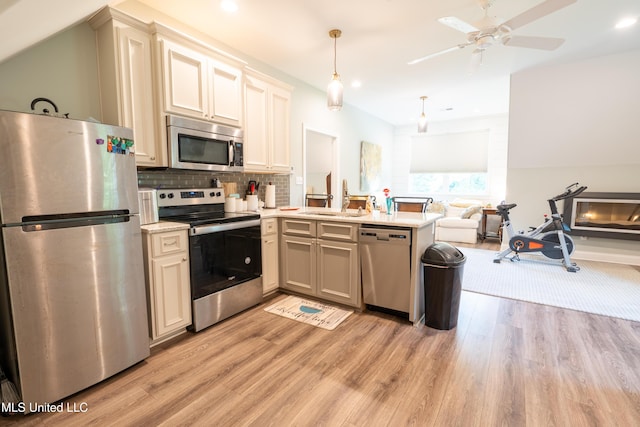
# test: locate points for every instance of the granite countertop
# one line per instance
(400, 219)
(162, 226)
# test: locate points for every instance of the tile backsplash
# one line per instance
(177, 178)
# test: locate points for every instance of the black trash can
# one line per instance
(443, 265)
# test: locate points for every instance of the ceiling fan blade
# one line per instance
(531, 42)
(457, 24)
(537, 12)
(442, 52)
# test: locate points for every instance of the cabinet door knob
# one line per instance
(184, 259)
(152, 158)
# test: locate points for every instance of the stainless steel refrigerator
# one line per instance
(73, 305)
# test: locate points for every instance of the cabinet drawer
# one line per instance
(341, 231)
(169, 242)
(296, 227)
(269, 226)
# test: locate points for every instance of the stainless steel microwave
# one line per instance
(200, 145)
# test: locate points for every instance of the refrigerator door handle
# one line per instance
(52, 222)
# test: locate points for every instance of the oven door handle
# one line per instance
(216, 228)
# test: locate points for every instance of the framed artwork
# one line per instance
(370, 166)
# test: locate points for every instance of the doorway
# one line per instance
(320, 166)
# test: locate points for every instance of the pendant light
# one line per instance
(335, 88)
(422, 122)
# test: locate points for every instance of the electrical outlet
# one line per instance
(299, 180)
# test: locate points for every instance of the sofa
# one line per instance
(461, 220)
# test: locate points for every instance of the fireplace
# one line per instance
(606, 215)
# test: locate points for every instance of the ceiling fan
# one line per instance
(490, 31)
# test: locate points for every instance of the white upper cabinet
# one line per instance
(267, 110)
(225, 95)
(280, 106)
(126, 82)
(150, 70)
(185, 80)
(256, 147)
(199, 85)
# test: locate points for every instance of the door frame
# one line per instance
(335, 161)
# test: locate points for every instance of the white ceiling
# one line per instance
(378, 38)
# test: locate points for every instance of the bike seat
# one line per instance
(505, 208)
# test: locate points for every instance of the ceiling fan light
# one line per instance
(485, 41)
(334, 93)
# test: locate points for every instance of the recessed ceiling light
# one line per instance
(626, 22)
(229, 6)
(356, 83)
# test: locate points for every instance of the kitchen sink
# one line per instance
(336, 214)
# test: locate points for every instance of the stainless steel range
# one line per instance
(224, 250)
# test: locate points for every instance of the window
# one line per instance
(454, 163)
(448, 183)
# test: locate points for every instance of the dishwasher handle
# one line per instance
(385, 236)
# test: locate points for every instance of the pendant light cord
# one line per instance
(335, 56)
(334, 34)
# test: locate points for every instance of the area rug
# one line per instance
(310, 312)
(600, 288)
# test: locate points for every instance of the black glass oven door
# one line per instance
(223, 259)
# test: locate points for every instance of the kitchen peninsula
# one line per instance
(310, 227)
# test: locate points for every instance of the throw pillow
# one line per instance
(436, 207)
(465, 203)
(470, 211)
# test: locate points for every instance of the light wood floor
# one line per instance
(507, 363)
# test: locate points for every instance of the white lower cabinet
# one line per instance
(338, 271)
(168, 289)
(270, 249)
(299, 264)
(321, 259)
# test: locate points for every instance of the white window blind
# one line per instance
(450, 153)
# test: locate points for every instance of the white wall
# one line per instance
(497, 159)
(309, 106)
(62, 69)
(575, 122)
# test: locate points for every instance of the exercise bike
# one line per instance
(548, 238)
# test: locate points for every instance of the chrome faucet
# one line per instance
(345, 195)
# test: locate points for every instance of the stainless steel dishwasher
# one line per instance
(385, 257)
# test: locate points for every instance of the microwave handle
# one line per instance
(232, 153)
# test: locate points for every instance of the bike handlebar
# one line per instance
(572, 191)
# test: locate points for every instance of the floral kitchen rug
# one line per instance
(310, 312)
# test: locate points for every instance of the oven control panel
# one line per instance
(189, 196)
